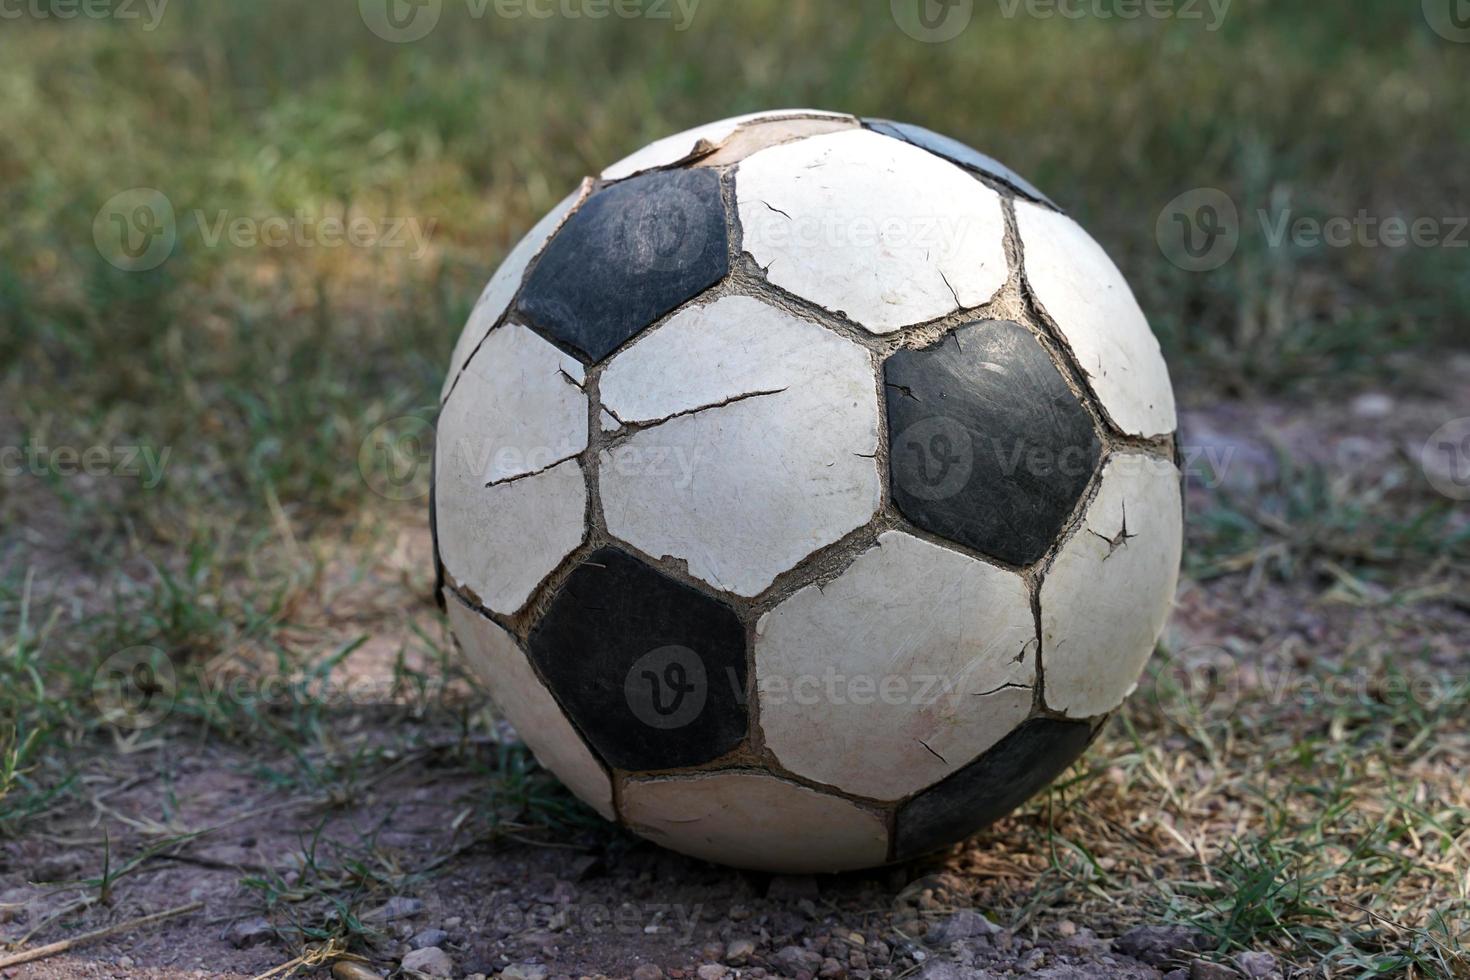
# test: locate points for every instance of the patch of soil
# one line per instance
(596, 901)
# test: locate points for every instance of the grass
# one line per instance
(1376, 523)
(1330, 833)
(262, 370)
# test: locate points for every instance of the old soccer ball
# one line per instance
(805, 491)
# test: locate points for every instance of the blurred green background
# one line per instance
(278, 107)
(263, 367)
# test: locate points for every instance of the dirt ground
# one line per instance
(404, 851)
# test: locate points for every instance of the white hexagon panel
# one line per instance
(498, 293)
(753, 442)
(729, 140)
(1108, 593)
(1085, 295)
(899, 671)
(755, 820)
(510, 499)
(499, 663)
(886, 233)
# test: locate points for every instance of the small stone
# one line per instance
(453, 922)
(430, 962)
(1372, 405)
(428, 937)
(964, 924)
(524, 971)
(1205, 970)
(57, 867)
(739, 951)
(794, 959)
(792, 888)
(13, 902)
(711, 971)
(585, 867)
(348, 970)
(1066, 928)
(713, 951)
(250, 932)
(126, 962)
(831, 969)
(1159, 945)
(397, 907)
(647, 971)
(1257, 966)
(937, 969)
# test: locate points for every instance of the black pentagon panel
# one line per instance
(989, 447)
(651, 670)
(957, 152)
(633, 252)
(1013, 771)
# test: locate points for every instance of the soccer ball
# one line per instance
(805, 491)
